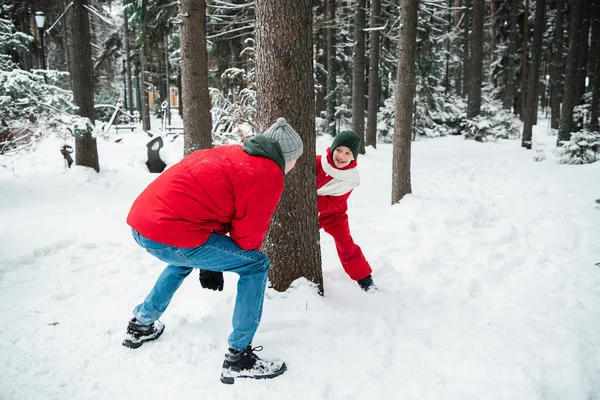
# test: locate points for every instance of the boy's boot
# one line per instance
(367, 284)
(246, 364)
(138, 333)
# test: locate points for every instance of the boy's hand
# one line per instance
(211, 280)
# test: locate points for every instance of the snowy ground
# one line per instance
(488, 288)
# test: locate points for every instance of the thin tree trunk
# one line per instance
(509, 97)
(197, 126)
(127, 61)
(583, 52)
(331, 98)
(524, 62)
(358, 74)
(458, 69)
(373, 105)
(534, 73)
(556, 77)
(167, 77)
(570, 88)
(82, 81)
(405, 93)
(466, 48)
(145, 105)
(595, 64)
(284, 73)
(474, 105)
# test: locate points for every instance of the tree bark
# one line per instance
(358, 74)
(570, 87)
(284, 73)
(474, 106)
(595, 64)
(583, 51)
(556, 77)
(524, 62)
(127, 61)
(373, 105)
(331, 98)
(466, 46)
(197, 126)
(534, 73)
(405, 93)
(509, 97)
(82, 81)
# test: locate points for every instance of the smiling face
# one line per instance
(342, 156)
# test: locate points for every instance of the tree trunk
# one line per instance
(583, 52)
(331, 98)
(570, 87)
(373, 105)
(556, 77)
(129, 104)
(509, 97)
(358, 74)
(145, 104)
(466, 46)
(405, 93)
(82, 81)
(284, 74)
(524, 62)
(534, 73)
(595, 64)
(168, 77)
(474, 105)
(197, 126)
(458, 69)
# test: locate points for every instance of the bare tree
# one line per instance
(373, 104)
(405, 93)
(474, 106)
(556, 71)
(284, 76)
(358, 74)
(82, 80)
(570, 88)
(534, 73)
(197, 126)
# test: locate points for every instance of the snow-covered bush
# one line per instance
(583, 148)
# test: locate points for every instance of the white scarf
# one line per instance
(343, 180)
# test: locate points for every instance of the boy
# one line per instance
(183, 218)
(336, 177)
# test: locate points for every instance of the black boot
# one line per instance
(367, 284)
(246, 364)
(138, 333)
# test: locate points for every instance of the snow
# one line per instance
(488, 288)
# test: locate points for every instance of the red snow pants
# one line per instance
(351, 256)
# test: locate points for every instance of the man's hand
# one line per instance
(211, 280)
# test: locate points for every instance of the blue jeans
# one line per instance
(219, 253)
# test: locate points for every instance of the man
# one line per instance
(183, 218)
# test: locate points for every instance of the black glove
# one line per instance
(211, 280)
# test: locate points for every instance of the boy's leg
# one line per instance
(221, 253)
(351, 256)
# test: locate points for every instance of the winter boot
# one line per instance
(367, 284)
(246, 364)
(138, 333)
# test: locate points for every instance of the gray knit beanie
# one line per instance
(289, 141)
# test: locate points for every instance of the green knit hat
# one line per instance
(348, 139)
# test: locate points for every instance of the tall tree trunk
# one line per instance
(197, 126)
(145, 104)
(524, 62)
(595, 64)
(405, 94)
(509, 97)
(168, 77)
(82, 81)
(448, 47)
(458, 70)
(474, 105)
(466, 48)
(284, 75)
(331, 98)
(556, 77)
(373, 105)
(570, 87)
(534, 73)
(358, 74)
(583, 51)
(127, 61)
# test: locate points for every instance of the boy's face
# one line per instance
(342, 156)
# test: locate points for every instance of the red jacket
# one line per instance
(223, 189)
(331, 204)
